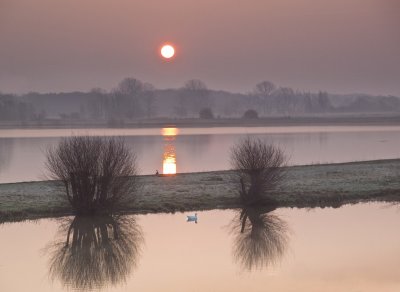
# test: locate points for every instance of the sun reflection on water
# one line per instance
(167, 132)
(169, 157)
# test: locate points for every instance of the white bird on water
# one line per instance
(192, 218)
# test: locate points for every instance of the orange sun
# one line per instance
(167, 51)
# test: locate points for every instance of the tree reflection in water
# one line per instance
(95, 251)
(260, 238)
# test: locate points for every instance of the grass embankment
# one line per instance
(304, 186)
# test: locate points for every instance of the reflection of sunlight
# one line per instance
(169, 157)
(170, 131)
(169, 165)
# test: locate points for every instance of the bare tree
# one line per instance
(127, 97)
(97, 104)
(197, 91)
(324, 101)
(196, 85)
(130, 86)
(285, 100)
(148, 98)
(98, 173)
(264, 90)
(259, 167)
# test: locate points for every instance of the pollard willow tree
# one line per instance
(259, 166)
(98, 172)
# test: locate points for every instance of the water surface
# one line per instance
(354, 248)
(203, 149)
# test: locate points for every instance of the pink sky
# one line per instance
(336, 45)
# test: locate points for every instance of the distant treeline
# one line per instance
(133, 99)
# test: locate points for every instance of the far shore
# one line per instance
(329, 119)
(325, 185)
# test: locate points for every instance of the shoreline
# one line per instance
(361, 120)
(308, 186)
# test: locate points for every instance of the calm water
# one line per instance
(354, 248)
(203, 149)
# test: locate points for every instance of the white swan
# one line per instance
(192, 218)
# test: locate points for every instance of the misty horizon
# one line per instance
(249, 91)
(336, 46)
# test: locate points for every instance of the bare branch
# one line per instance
(259, 167)
(97, 172)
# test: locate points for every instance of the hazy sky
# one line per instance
(336, 45)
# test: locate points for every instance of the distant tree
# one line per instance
(231, 107)
(264, 91)
(265, 88)
(127, 97)
(307, 101)
(82, 112)
(181, 110)
(12, 108)
(285, 99)
(97, 104)
(130, 86)
(148, 98)
(206, 113)
(41, 116)
(250, 114)
(324, 102)
(196, 85)
(197, 93)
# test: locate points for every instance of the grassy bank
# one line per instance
(305, 186)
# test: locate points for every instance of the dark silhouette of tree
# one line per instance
(98, 173)
(250, 114)
(91, 252)
(206, 114)
(258, 166)
(260, 238)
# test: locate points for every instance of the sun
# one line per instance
(167, 51)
